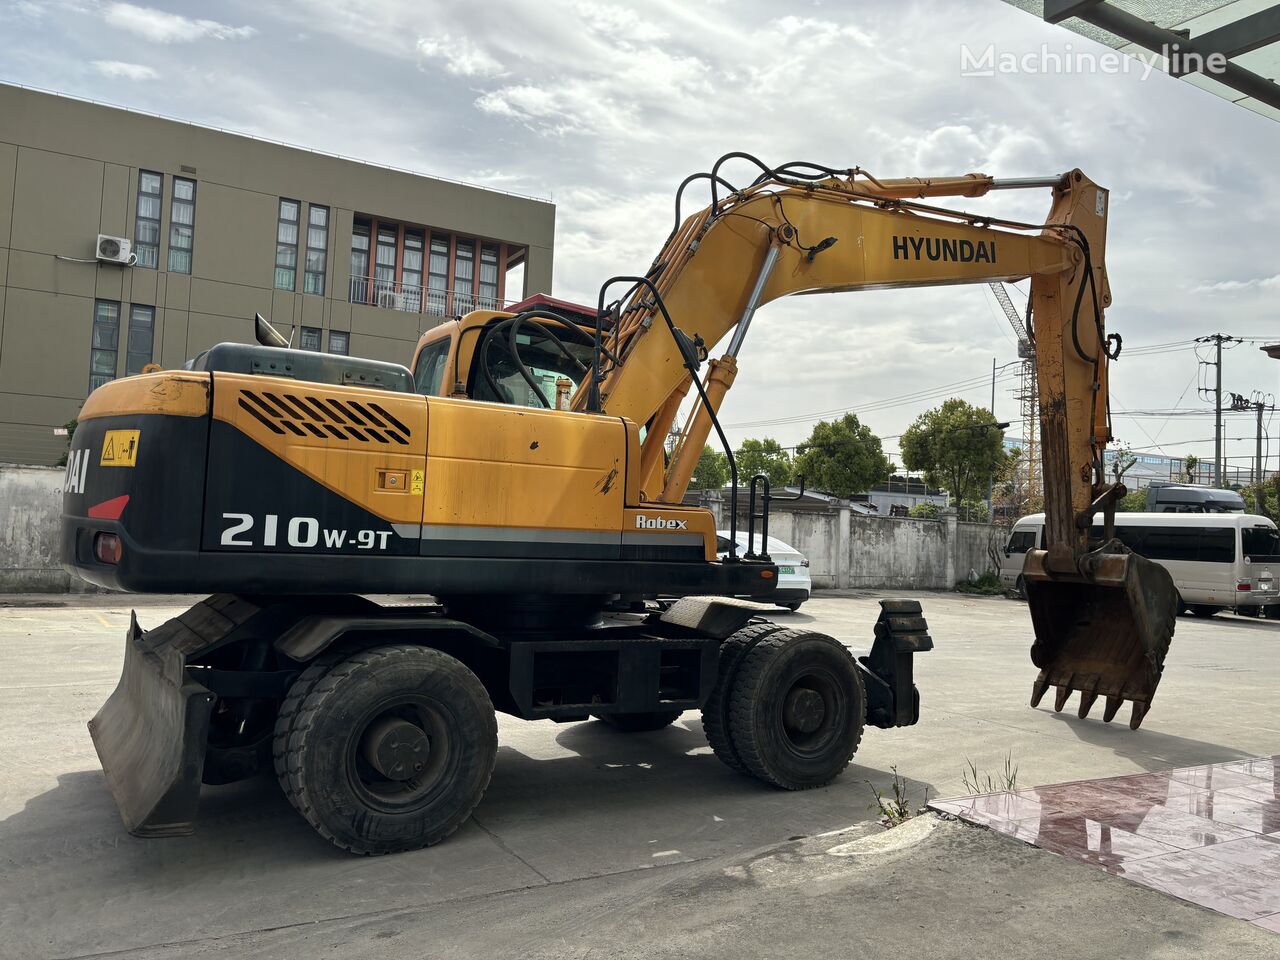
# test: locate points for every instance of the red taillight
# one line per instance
(1244, 585)
(106, 547)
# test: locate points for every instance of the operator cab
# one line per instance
(475, 356)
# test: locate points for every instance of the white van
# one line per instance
(1219, 561)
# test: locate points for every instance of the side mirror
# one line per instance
(266, 334)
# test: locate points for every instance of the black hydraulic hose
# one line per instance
(697, 383)
(680, 195)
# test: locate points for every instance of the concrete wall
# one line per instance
(850, 551)
(69, 171)
(30, 518)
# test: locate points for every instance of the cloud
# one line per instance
(460, 56)
(159, 26)
(1234, 286)
(126, 71)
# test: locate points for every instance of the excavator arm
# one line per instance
(1103, 617)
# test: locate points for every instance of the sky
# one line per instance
(605, 107)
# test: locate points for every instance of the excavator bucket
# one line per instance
(1102, 628)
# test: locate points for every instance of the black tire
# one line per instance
(1202, 610)
(1020, 587)
(715, 713)
(640, 722)
(797, 709)
(324, 746)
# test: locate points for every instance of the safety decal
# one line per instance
(119, 448)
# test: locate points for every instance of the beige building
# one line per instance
(127, 239)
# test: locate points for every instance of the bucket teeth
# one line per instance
(1060, 699)
(1087, 698)
(1038, 690)
(1113, 704)
(1140, 709)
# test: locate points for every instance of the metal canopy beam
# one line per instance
(1159, 40)
(1242, 36)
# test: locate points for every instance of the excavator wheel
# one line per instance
(387, 750)
(796, 711)
(640, 722)
(715, 714)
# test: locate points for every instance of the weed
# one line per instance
(1004, 780)
(896, 809)
(987, 585)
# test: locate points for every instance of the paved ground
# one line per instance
(592, 842)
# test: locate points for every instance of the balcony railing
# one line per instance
(389, 295)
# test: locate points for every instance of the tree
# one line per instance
(1189, 468)
(764, 456)
(842, 457)
(712, 470)
(1124, 459)
(957, 446)
(1135, 501)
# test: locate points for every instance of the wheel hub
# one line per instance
(396, 748)
(803, 710)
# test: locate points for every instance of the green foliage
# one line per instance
(842, 457)
(925, 511)
(1189, 466)
(712, 471)
(957, 446)
(896, 809)
(763, 456)
(973, 511)
(1135, 501)
(1124, 459)
(70, 427)
(1005, 780)
(987, 585)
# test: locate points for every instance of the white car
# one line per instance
(794, 584)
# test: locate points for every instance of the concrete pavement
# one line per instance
(590, 841)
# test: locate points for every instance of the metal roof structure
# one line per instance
(1228, 47)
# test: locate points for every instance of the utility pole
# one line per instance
(1257, 403)
(1217, 339)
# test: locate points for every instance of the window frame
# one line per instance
(139, 219)
(307, 272)
(130, 352)
(303, 332)
(94, 349)
(346, 347)
(190, 250)
(358, 286)
(281, 245)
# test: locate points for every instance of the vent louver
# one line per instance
(325, 417)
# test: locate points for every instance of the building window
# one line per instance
(438, 275)
(287, 245)
(339, 342)
(360, 261)
(310, 339)
(142, 324)
(317, 249)
(182, 225)
(106, 343)
(464, 262)
(146, 231)
(488, 277)
(411, 272)
(384, 267)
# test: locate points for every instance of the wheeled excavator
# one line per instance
(517, 475)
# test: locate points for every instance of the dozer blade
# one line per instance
(151, 733)
(1102, 628)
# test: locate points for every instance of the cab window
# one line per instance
(1021, 541)
(546, 364)
(430, 367)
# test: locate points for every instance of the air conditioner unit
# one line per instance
(387, 299)
(114, 249)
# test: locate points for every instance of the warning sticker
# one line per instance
(119, 448)
(417, 482)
